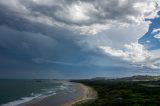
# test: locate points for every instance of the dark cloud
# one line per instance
(97, 11)
(82, 15)
(38, 38)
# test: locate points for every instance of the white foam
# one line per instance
(62, 87)
(18, 102)
(27, 99)
(45, 93)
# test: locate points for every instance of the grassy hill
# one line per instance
(125, 93)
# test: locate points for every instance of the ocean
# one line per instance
(14, 91)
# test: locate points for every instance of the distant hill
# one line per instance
(133, 78)
(140, 78)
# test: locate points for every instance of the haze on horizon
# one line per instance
(79, 38)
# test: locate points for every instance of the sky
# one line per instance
(79, 38)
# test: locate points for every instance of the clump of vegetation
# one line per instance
(123, 93)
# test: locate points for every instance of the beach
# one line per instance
(87, 93)
(82, 93)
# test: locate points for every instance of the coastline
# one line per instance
(87, 93)
(83, 93)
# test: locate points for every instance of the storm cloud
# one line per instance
(84, 16)
(68, 38)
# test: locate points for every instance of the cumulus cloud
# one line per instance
(155, 30)
(86, 17)
(133, 52)
(157, 36)
(136, 54)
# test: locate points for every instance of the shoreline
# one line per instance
(83, 93)
(87, 93)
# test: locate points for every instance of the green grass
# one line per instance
(114, 93)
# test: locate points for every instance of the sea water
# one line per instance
(15, 91)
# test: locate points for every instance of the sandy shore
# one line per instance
(87, 93)
(82, 94)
